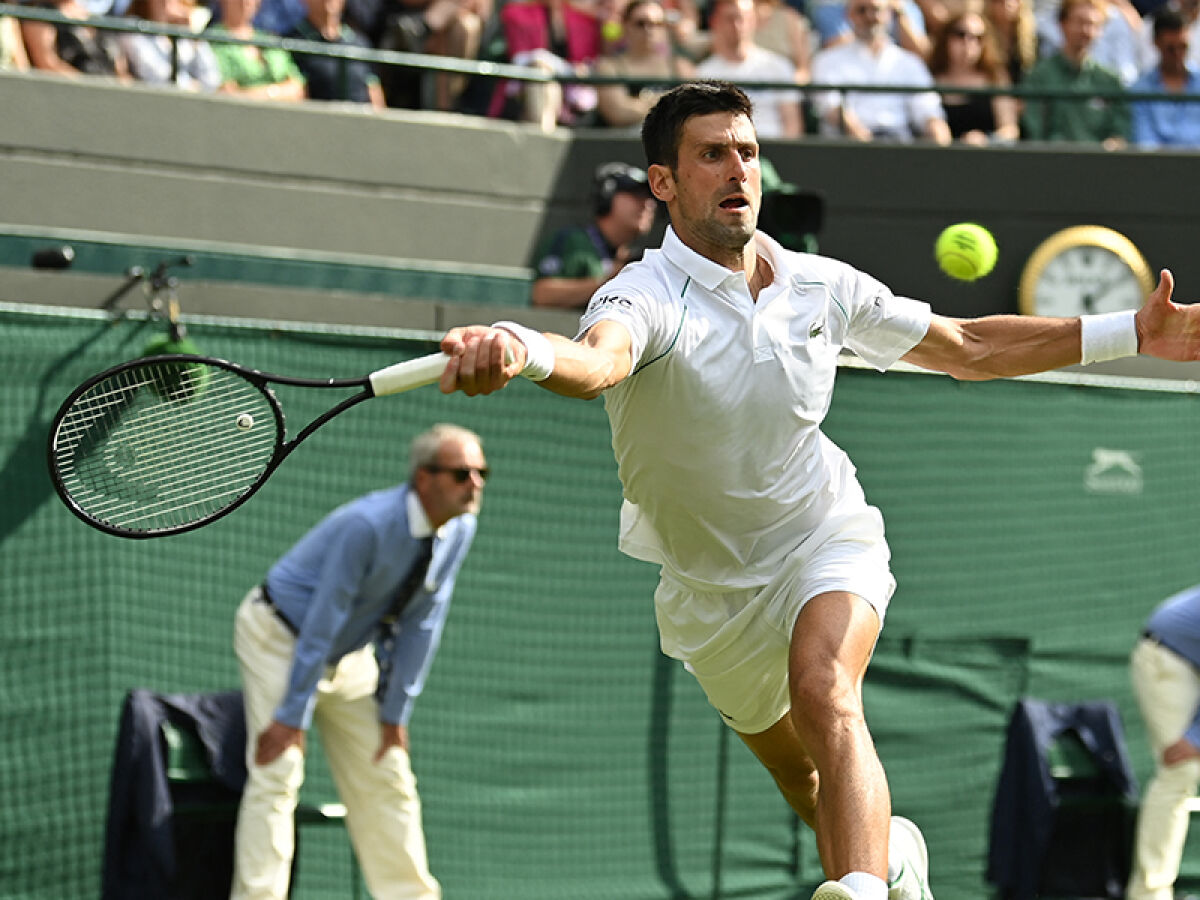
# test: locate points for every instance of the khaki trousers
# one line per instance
(1167, 688)
(383, 811)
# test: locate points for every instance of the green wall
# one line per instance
(559, 754)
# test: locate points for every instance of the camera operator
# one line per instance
(576, 260)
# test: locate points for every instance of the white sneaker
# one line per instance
(834, 890)
(907, 847)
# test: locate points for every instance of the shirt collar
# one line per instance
(419, 525)
(704, 271)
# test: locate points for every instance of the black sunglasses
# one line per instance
(462, 473)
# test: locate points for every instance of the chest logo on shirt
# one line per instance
(816, 330)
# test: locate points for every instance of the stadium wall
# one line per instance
(460, 191)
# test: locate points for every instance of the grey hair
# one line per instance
(425, 446)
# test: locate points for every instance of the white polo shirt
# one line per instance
(717, 432)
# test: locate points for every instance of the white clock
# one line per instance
(1082, 270)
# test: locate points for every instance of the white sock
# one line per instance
(866, 886)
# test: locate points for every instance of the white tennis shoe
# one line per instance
(834, 890)
(907, 847)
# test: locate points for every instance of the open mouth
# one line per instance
(734, 203)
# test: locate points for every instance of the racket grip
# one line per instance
(415, 373)
(405, 376)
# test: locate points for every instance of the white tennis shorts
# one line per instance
(736, 642)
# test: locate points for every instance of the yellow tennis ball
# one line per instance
(966, 251)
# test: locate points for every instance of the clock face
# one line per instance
(1084, 270)
(1085, 279)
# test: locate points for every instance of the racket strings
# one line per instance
(164, 444)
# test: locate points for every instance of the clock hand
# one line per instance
(1092, 300)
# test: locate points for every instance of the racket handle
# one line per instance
(405, 376)
(415, 373)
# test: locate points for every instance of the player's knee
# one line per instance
(824, 698)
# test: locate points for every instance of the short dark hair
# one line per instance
(1168, 20)
(663, 125)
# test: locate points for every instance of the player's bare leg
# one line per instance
(780, 751)
(832, 642)
(821, 754)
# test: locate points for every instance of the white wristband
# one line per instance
(1108, 336)
(539, 352)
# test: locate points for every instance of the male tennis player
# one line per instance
(375, 575)
(716, 355)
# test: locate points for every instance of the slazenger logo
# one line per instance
(1112, 472)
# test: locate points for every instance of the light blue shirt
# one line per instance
(828, 17)
(1165, 123)
(341, 579)
(1176, 623)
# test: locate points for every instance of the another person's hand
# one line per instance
(1180, 751)
(274, 739)
(391, 736)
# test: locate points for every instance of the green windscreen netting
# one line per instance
(558, 753)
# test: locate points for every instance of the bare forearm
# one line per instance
(998, 346)
(581, 370)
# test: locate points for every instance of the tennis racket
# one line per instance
(165, 444)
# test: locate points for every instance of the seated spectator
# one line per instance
(1092, 118)
(150, 55)
(576, 260)
(683, 22)
(965, 56)
(611, 16)
(263, 73)
(73, 50)
(328, 77)
(1121, 46)
(276, 17)
(1190, 11)
(648, 55)
(558, 38)
(737, 58)
(1015, 31)
(783, 30)
(438, 27)
(1163, 123)
(12, 46)
(831, 20)
(874, 58)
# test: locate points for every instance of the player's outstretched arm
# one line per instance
(1006, 346)
(584, 368)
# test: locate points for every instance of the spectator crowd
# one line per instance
(975, 72)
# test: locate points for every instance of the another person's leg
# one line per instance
(1168, 693)
(265, 836)
(383, 809)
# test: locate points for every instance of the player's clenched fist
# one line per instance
(482, 359)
